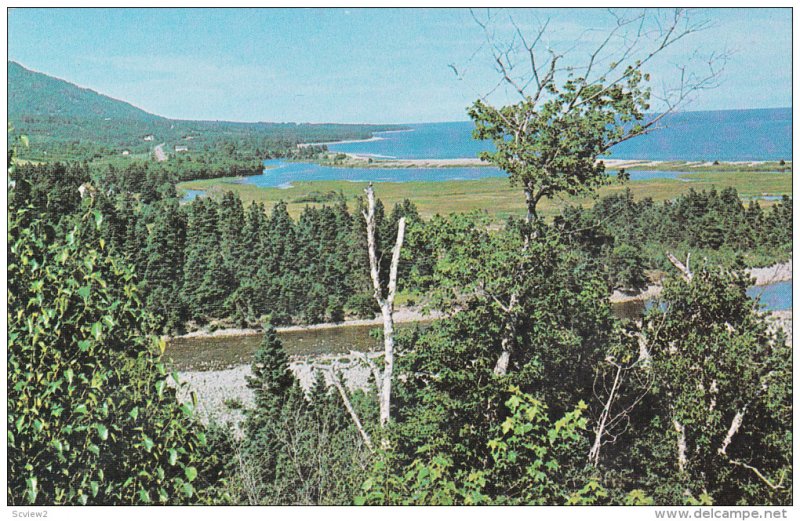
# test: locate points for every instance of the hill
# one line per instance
(37, 95)
(64, 121)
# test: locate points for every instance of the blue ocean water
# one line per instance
(727, 135)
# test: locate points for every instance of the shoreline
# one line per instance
(347, 141)
(401, 316)
(763, 276)
(365, 160)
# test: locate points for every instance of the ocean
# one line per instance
(726, 135)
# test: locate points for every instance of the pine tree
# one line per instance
(271, 378)
(163, 271)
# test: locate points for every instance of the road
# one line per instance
(159, 152)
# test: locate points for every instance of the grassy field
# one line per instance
(491, 194)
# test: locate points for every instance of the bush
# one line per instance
(91, 418)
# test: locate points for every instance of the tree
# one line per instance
(567, 117)
(91, 416)
(271, 378)
(163, 272)
(725, 378)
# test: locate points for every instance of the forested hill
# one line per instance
(64, 121)
(32, 94)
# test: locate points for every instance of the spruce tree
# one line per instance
(271, 378)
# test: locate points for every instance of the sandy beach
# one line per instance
(364, 160)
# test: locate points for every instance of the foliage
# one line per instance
(92, 410)
(527, 453)
(297, 449)
(714, 357)
(550, 146)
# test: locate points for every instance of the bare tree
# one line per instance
(614, 417)
(386, 303)
(385, 299)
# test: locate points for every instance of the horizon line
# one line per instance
(256, 122)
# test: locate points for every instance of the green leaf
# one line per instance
(191, 473)
(134, 413)
(95, 486)
(97, 330)
(102, 431)
(173, 456)
(98, 218)
(31, 489)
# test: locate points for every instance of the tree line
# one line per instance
(214, 260)
(627, 236)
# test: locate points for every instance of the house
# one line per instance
(181, 148)
(149, 137)
(126, 152)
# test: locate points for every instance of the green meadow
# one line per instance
(495, 195)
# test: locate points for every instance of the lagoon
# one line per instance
(281, 174)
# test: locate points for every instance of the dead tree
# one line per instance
(386, 303)
(614, 417)
(385, 299)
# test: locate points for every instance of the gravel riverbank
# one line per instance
(401, 316)
(217, 390)
(222, 393)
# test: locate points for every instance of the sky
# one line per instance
(352, 65)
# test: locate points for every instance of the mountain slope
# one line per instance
(64, 121)
(33, 94)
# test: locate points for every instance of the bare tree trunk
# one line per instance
(386, 304)
(594, 452)
(686, 273)
(350, 410)
(682, 459)
(507, 343)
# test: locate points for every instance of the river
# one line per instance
(213, 353)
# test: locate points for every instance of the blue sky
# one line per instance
(352, 65)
